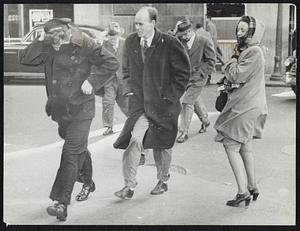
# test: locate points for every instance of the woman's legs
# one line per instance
(249, 163)
(232, 149)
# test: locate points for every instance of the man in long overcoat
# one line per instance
(67, 55)
(157, 69)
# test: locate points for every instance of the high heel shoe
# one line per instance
(254, 193)
(238, 199)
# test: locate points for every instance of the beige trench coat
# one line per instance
(244, 115)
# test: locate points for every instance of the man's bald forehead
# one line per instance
(143, 12)
(148, 11)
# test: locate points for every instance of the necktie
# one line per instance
(186, 46)
(145, 46)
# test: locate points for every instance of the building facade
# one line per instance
(19, 19)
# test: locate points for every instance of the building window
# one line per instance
(12, 24)
(226, 9)
(126, 9)
(225, 16)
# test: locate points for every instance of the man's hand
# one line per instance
(86, 88)
(128, 94)
(42, 36)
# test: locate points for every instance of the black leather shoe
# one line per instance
(85, 191)
(160, 188)
(254, 193)
(204, 127)
(108, 131)
(240, 198)
(182, 138)
(58, 210)
(142, 159)
(124, 193)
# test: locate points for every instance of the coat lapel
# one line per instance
(155, 42)
(109, 47)
(195, 45)
(137, 50)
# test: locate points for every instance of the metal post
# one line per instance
(6, 23)
(21, 21)
(277, 74)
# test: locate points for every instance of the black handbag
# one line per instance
(221, 101)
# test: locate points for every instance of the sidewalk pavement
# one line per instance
(201, 182)
(269, 83)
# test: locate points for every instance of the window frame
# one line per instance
(224, 18)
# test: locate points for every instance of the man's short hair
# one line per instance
(152, 11)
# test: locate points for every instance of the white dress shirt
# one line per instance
(149, 40)
(191, 41)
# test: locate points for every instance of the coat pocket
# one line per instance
(74, 109)
(59, 109)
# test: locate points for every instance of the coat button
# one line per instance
(54, 81)
(72, 57)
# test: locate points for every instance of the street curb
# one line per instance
(275, 84)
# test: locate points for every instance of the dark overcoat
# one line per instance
(66, 70)
(157, 85)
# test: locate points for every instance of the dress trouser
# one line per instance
(75, 157)
(132, 154)
(112, 93)
(192, 101)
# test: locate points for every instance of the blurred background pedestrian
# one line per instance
(202, 57)
(211, 28)
(113, 91)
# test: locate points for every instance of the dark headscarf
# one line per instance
(242, 41)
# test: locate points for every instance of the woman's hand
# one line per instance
(236, 53)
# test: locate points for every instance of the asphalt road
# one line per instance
(201, 179)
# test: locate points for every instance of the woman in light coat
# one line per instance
(244, 114)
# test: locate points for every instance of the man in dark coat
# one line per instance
(202, 57)
(157, 69)
(67, 55)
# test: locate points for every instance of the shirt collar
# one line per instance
(191, 41)
(117, 45)
(149, 40)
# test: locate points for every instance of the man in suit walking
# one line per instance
(212, 29)
(157, 69)
(112, 92)
(202, 57)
